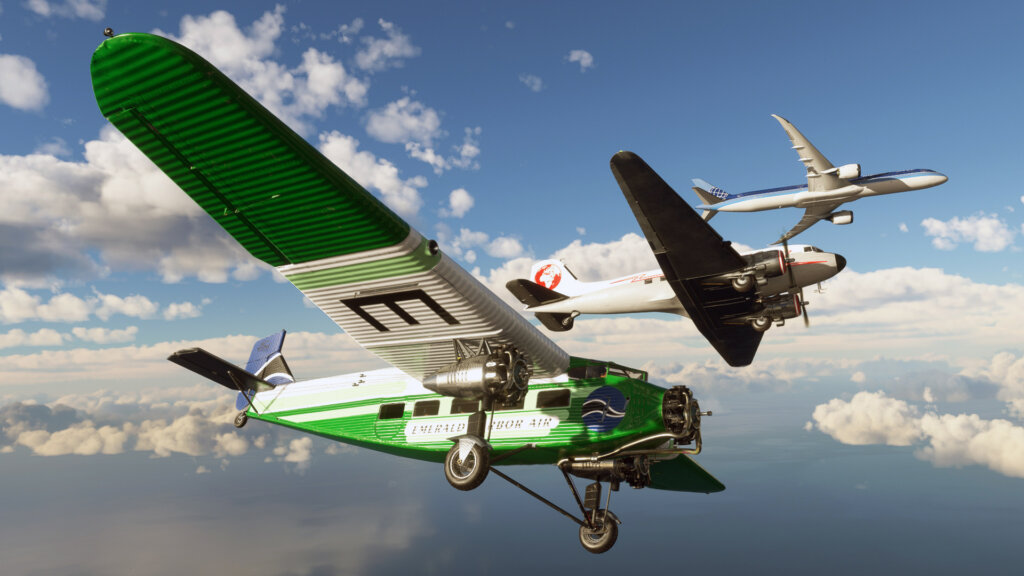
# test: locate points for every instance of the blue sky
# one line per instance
(489, 127)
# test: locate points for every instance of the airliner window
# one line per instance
(465, 406)
(426, 408)
(391, 411)
(553, 398)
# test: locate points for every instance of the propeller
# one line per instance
(792, 284)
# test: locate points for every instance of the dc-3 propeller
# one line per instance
(799, 290)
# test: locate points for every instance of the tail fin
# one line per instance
(265, 370)
(552, 274)
(533, 294)
(709, 195)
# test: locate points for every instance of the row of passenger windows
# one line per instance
(545, 399)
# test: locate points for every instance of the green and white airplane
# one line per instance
(474, 384)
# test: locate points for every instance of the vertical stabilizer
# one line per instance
(555, 275)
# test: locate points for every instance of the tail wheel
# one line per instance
(240, 419)
(469, 471)
(603, 535)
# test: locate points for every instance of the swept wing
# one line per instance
(391, 289)
(689, 251)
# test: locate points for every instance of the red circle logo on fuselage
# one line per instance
(548, 276)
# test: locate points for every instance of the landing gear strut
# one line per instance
(467, 463)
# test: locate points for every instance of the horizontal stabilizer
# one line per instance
(681, 474)
(533, 294)
(219, 370)
(705, 197)
(554, 321)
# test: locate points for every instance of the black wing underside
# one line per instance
(689, 251)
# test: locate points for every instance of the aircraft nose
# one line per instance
(840, 263)
(943, 178)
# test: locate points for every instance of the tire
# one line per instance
(469, 473)
(603, 537)
(240, 419)
(743, 283)
(761, 324)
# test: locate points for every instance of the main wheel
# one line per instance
(468, 473)
(602, 537)
(240, 419)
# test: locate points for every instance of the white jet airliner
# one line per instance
(827, 188)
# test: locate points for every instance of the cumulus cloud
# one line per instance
(988, 232)
(99, 335)
(21, 85)
(376, 174)
(1006, 371)
(462, 244)
(404, 120)
(583, 57)
(533, 82)
(88, 9)
(459, 202)
(19, 305)
(245, 56)
(389, 52)
(42, 337)
(942, 439)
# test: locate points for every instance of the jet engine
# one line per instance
(842, 217)
(846, 171)
(500, 375)
(760, 267)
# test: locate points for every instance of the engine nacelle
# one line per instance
(848, 171)
(501, 375)
(842, 217)
(760, 267)
(776, 309)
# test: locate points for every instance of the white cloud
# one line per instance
(988, 233)
(581, 230)
(43, 337)
(459, 202)
(21, 85)
(903, 227)
(532, 82)
(404, 120)
(99, 335)
(949, 440)
(18, 305)
(291, 94)
(88, 9)
(1006, 370)
(382, 53)
(504, 247)
(858, 377)
(378, 174)
(55, 147)
(135, 306)
(510, 25)
(181, 310)
(468, 150)
(299, 452)
(583, 57)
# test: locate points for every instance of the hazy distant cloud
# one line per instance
(88, 9)
(903, 227)
(510, 25)
(459, 202)
(988, 233)
(42, 337)
(99, 335)
(345, 33)
(1006, 371)
(21, 85)
(583, 57)
(19, 305)
(382, 53)
(462, 245)
(378, 174)
(55, 147)
(532, 82)
(949, 440)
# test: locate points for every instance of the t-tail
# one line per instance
(709, 195)
(265, 370)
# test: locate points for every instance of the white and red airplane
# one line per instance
(732, 298)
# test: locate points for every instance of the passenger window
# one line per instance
(426, 408)
(391, 411)
(553, 398)
(460, 406)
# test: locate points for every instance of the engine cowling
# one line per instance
(775, 309)
(760, 267)
(501, 375)
(848, 171)
(841, 217)
(681, 414)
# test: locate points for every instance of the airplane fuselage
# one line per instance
(650, 292)
(798, 196)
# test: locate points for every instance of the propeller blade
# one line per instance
(803, 309)
(789, 269)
